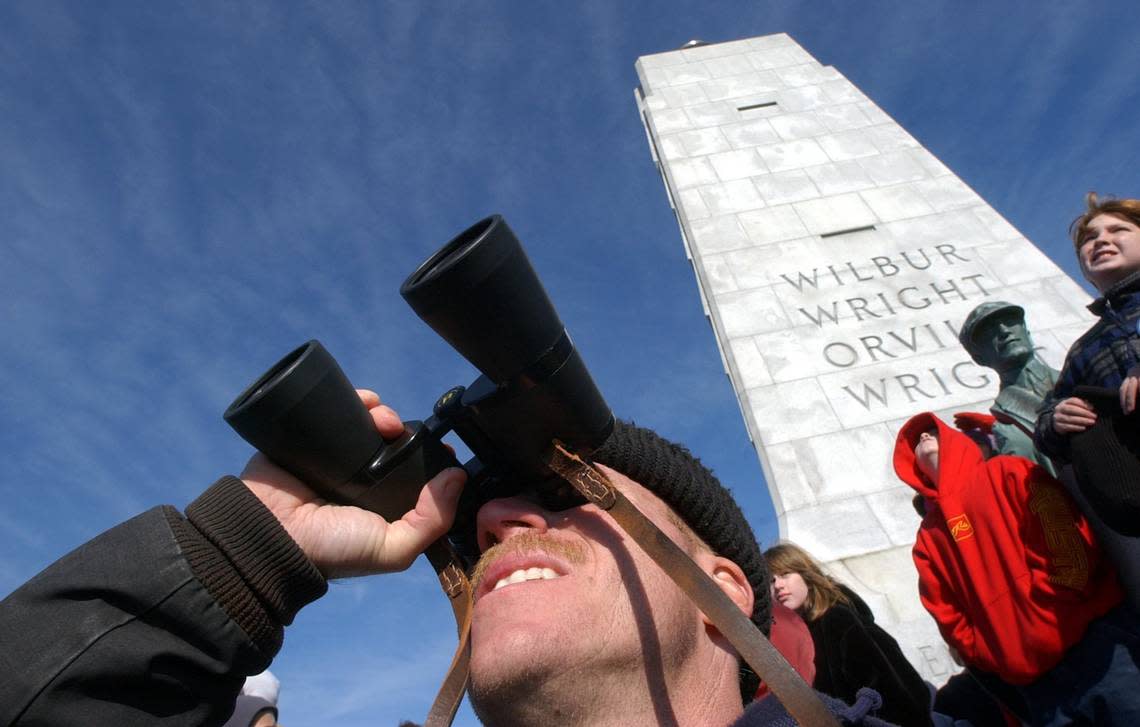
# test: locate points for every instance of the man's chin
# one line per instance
(503, 655)
(504, 690)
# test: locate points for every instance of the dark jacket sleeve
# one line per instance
(1045, 438)
(906, 698)
(157, 621)
(860, 654)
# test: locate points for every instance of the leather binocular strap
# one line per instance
(793, 692)
(452, 578)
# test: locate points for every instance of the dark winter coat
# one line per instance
(157, 621)
(851, 652)
(1102, 356)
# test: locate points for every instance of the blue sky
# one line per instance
(189, 190)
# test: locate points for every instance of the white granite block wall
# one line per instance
(837, 258)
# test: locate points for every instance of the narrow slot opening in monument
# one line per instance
(764, 105)
(864, 228)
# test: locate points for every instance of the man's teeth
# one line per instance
(526, 574)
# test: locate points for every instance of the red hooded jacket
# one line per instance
(1007, 565)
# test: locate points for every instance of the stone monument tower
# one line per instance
(837, 259)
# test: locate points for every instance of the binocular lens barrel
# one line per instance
(304, 415)
(481, 295)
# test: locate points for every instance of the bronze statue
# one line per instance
(996, 337)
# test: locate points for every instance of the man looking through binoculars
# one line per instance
(159, 620)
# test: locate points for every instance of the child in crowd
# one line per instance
(1107, 240)
(1011, 573)
(851, 651)
(1095, 429)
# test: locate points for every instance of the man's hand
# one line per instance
(343, 540)
(1073, 415)
(1128, 390)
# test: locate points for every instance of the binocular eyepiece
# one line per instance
(480, 294)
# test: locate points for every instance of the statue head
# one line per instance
(995, 336)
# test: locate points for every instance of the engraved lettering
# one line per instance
(798, 284)
(934, 373)
(906, 256)
(885, 266)
(943, 292)
(909, 383)
(948, 251)
(912, 345)
(925, 301)
(833, 316)
(933, 660)
(934, 335)
(887, 304)
(855, 273)
(869, 393)
(827, 354)
(980, 383)
(835, 275)
(873, 344)
(861, 308)
(975, 280)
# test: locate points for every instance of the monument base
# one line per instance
(888, 582)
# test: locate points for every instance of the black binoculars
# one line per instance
(481, 294)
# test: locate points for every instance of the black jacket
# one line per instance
(157, 621)
(851, 651)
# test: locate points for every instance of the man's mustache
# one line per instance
(572, 551)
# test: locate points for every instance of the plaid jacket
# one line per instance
(1100, 357)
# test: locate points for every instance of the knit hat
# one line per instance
(672, 473)
(258, 694)
(1106, 461)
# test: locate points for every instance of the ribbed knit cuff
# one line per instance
(250, 564)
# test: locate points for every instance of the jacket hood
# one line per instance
(956, 453)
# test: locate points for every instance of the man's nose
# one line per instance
(504, 517)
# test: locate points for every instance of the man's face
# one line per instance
(563, 597)
(1109, 250)
(926, 454)
(1002, 341)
